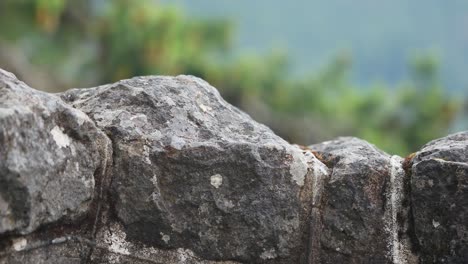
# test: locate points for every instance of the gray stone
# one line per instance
(191, 171)
(439, 197)
(49, 153)
(356, 220)
(163, 170)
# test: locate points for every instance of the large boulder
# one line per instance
(191, 171)
(50, 154)
(439, 198)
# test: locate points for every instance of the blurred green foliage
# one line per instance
(99, 41)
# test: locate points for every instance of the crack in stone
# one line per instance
(105, 148)
(400, 247)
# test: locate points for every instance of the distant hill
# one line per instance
(381, 36)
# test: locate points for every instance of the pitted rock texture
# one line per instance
(191, 171)
(49, 154)
(352, 210)
(439, 197)
(163, 170)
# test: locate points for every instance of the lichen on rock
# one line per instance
(161, 169)
(49, 153)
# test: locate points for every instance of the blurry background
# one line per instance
(392, 72)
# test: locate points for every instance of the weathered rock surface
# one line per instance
(191, 171)
(353, 224)
(163, 170)
(49, 155)
(439, 197)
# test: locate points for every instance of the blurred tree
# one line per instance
(99, 41)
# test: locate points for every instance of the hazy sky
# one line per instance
(381, 36)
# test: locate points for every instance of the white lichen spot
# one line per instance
(272, 146)
(317, 166)
(228, 204)
(154, 180)
(59, 137)
(6, 219)
(203, 208)
(155, 135)
(137, 90)
(81, 117)
(169, 101)
(165, 237)
(139, 120)
(435, 223)
(431, 183)
(19, 243)
(269, 254)
(216, 180)
(117, 242)
(59, 240)
(146, 153)
(5, 112)
(184, 255)
(298, 167)
(205, 108)
(177, 142)
(88, 182)
(177, 228)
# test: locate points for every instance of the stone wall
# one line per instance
(163, 170)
